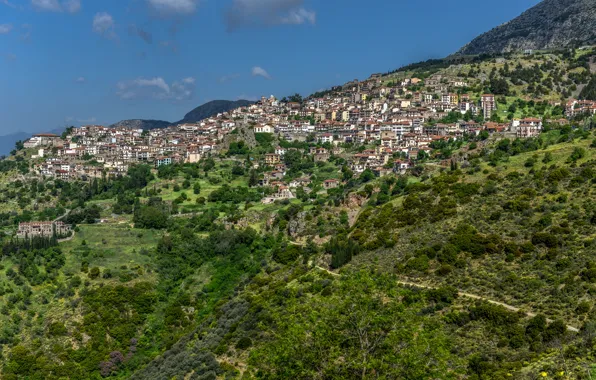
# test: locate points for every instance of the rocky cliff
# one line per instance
(551, 24)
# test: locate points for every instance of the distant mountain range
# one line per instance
(213, 108)
(202, 112)
(7, 143)
(551, 24)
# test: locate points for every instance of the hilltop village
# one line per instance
(397, 124)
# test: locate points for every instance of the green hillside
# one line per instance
(478, 263)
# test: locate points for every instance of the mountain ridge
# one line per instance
(7, 142)
(199, 113)
(551, 24)
(214, 107)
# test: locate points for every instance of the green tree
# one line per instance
(367, 176)
(577, 154)
(94, 273)
(253, 179)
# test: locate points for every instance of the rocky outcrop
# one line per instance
(552, 24)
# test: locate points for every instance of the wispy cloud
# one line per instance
(10, 57)
(258, 71)
(11, 5)
(72, 6)
(69, 6)
(227, 78)
(299, 16)
(156, 88)
(81, 80)
(47, 5)
(255, 13)
(173, 7)
(5, 28)
(146, 36)
(103, 24)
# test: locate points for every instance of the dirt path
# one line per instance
(68, 238)
(62, 216)
(466, 295)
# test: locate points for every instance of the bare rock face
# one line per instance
(243, 133)
(552, 24)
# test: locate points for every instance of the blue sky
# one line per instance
(66, 62)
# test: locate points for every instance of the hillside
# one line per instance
(212, 108)
(476, 261)
(551, 24)
(200, 113)
(142, 124)
(297, 287)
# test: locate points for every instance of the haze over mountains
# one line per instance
(551, 24)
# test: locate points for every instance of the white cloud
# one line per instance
(47, 5)
(183, 89)
(10, 57)
(299, 16)
(81, 80)
(156, 88)
(103, 23)
(260, 72)
(5, 28)
(72, 6)
(9, 4)
(69, 6)
(169, 7)
(251, 13)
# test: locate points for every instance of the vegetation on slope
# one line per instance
(479, 268)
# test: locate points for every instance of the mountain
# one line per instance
(201, 112)
(551, 24)
(209, 109)
(213, 108)
(7, 142)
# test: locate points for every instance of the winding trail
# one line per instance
(464, 294)
(68, 238)
(62, 216)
